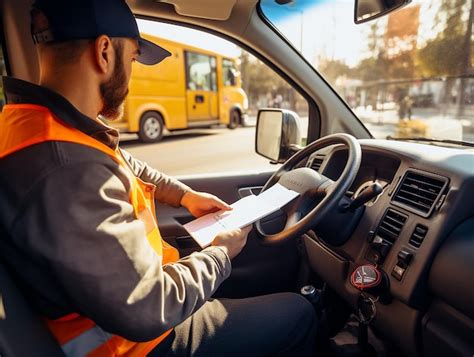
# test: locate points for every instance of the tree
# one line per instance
(391, 48)
(332, 69)
(466, 58)
(374, 67)
(259, 80)
(450, 52)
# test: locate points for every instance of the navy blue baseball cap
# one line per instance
(68, 20)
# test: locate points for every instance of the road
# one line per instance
(383, 123)
(217, 150)
(200, 151)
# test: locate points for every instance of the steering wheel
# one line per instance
(312, 186)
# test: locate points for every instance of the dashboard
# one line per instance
(419, 232)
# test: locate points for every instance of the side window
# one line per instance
(201, 71)
(208, 107)
(268, 90)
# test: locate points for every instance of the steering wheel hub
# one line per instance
(311, 186)
(302, 180)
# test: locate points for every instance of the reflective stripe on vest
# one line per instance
(23, 125)
(86, 342)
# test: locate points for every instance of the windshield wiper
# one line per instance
(444, 141)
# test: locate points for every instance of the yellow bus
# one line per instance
(191, 88)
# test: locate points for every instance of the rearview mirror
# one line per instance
(278, 130)
(366, 10)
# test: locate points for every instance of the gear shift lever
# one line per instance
(365, 196)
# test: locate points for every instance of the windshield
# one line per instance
(407, 74)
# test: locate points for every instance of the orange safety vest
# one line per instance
(23, 125)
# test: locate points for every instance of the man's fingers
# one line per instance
(232, 241)
(247, 229)
(221, 204)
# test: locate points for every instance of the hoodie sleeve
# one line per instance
(168, 189)
(86, 232)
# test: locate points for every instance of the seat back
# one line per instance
(22, 333)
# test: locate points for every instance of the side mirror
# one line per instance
(278, 131)
(366, 10)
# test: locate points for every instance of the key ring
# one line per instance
(366, 309)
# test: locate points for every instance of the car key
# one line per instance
(366, 309)
(366, 312)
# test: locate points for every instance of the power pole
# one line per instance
(466, 61)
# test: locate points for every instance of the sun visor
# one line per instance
(206, 9)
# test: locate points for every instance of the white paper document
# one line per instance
(245, 211)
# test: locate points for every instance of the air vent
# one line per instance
(418, 235)
(316, 162)
(420, 192)
(391, 225)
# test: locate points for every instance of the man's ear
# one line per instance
(103, 54)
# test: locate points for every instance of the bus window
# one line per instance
(201, 73)
(229, 72)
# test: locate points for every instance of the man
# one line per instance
(81, 233)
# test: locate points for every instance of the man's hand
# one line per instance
(232, 242)
(201, 203)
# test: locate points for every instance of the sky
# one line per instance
(326, 28)
(189, 36)
(317, 40)
(290, 23)
(320, 28)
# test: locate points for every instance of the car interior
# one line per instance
(397, 212)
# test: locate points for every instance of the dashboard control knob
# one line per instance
(312, 295)
(308, 290)
(382, 248)
(365, 196)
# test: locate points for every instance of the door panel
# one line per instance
(213, 105)
(201, 86)
(198, 105)
(258, 269)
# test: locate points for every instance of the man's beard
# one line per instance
(115, 89)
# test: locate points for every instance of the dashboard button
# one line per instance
(398, 272)
(383, 248)
(421, 230)
(404, 258)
